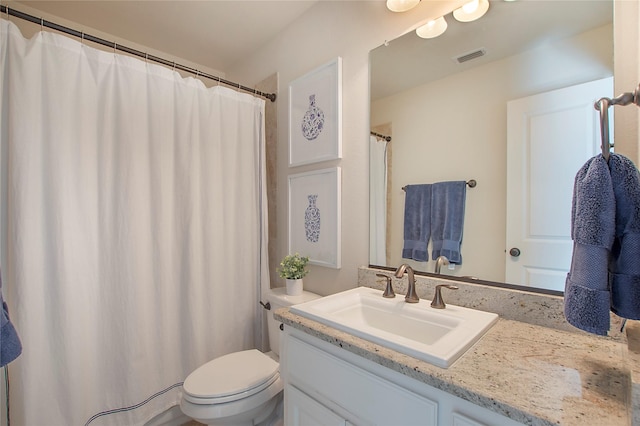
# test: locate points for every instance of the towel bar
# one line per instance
(471, 183)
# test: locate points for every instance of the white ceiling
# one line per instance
(216, 34)
(509, 27)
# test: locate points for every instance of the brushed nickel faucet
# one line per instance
(440, 261)
(438, 302)
(411, 296)
(388, 293)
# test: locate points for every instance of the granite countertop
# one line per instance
(529, 373)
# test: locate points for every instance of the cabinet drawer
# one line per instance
(334, 382)
(303, 410)
(462, 420)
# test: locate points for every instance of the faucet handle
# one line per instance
(388, 293)
(437, 301)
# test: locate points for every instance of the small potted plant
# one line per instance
(293, 269)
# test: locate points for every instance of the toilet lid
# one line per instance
(231, 374)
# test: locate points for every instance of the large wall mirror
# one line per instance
(449, 105)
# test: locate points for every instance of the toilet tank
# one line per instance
(278, 298)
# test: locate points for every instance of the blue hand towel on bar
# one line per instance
(587, 298)
(10, 346)
(447, 219)
(417, 225)
(624, 264)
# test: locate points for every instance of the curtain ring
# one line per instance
(146, 57)
(82, 38)
(115, 47)
(174, 66)
(41, 25)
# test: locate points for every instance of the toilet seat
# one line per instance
(231, 377)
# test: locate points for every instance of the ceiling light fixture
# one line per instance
(471, 11)
(401, 5)
(432, 28)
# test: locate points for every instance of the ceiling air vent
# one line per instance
(470, 55)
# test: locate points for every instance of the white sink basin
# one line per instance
(437, 336)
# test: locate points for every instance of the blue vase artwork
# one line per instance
(312, 220)
(313, 120)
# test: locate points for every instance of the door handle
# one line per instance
(515, 252)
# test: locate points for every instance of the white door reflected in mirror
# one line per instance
(549, 137)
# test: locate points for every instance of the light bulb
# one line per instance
(401, 5)
(471, 11)
(432, 28)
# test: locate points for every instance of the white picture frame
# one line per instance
(315, 115)
(315, 216)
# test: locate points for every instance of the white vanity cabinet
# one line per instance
(304, 410)
(327, 385)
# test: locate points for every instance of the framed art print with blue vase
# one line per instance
(315, 115)
(314, 216)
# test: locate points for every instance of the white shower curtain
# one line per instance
(133, 228)
(377, 201)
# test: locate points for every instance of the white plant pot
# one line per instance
(294, 287)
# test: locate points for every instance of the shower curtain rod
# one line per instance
(381, 136)
(116, 46)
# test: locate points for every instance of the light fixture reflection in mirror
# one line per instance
(433, 28)
(471, 11)
(401, 5)
(448, 118)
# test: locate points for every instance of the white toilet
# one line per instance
(241, 388)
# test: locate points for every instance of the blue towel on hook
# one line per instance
(624, 264)
(447, 219)
(417, 222)
(587, 298)
(10, 346)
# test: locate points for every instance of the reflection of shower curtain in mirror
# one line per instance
(378, 201)
(128, 194)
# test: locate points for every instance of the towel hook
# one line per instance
(603, 105)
